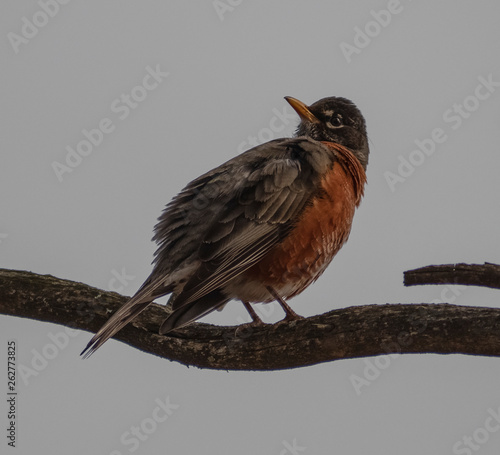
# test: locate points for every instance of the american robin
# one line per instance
(262, 226)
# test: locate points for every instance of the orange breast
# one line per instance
(322, 229)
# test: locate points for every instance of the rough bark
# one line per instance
(359, 331)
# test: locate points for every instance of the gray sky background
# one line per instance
(229, 68)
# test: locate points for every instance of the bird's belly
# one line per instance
(300, 259)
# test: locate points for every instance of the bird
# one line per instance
(259, 228)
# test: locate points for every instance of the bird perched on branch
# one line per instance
(262, 226)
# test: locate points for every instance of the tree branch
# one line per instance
(340, 334)
(486, 274)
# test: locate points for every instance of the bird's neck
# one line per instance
(351, 165)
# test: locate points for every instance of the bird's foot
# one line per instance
(290, 315)
(256, 320)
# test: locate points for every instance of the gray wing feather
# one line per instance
(268, 195)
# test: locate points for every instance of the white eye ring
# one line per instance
(335, 122)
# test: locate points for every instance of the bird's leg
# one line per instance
(256, 320)
(290, 314)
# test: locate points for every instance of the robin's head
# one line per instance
(334, 119)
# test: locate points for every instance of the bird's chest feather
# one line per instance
(316, 237)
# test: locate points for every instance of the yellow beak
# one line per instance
(302, 109)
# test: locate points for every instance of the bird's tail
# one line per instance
(184, 314)
(120, 319)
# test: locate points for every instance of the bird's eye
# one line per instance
(336, 121)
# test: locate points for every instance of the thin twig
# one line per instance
(486, 274)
